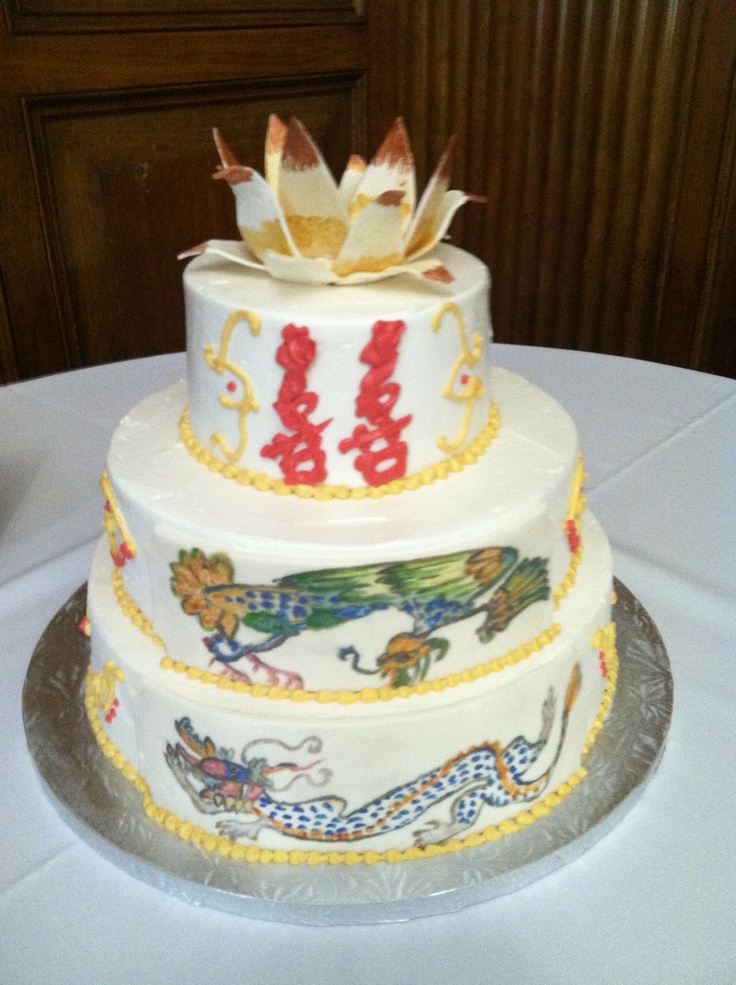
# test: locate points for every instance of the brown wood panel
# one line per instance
(106, 155)
(601, 135)
(84, 62)
(125, 185)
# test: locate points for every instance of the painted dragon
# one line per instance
(487, 775)
(492, 583)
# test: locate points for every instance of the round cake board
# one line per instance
(104, 810)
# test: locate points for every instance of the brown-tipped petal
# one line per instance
(429, 210)
(299, 152)
(260, 220)
(275, 137)
(356, 163)
(234, 174)
(275, 134)
(309, 197)
(396, 148)
(433, 224)
(227, 158)
(374, 242)
(350, 177)
(193, 251)
(391, 168)
(429, 270)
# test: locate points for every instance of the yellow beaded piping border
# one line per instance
(187, 831)
(129, 608)
(263, 482)
(604, 640)
(368, 695)
(575, 509)
(569, 580)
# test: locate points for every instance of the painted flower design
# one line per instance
(193, 573)
(299, 224)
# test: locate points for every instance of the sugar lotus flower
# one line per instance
(298, 224)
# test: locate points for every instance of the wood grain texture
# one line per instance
(107, 155)
(125, 185)
(602, 132)
(601, 135)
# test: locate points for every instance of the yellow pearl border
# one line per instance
(264, 483)
(604, 640)
(368, 695)
(569, 580)
(187, 831)
(129, 609)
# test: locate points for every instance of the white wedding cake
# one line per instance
(349, 605)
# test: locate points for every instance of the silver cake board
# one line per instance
(105, 810)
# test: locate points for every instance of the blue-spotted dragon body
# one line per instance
(488, 775)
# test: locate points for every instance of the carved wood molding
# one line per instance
(121, 16)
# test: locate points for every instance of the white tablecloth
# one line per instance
(654, 901)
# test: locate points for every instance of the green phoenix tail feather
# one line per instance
(527, 584)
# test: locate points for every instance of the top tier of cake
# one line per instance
(332, 391)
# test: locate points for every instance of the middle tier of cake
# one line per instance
(445, 582)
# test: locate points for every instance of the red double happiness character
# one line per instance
(302, 460)
(382, 455)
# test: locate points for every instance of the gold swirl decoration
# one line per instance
(470, 353)
(237, 852)
(576, 503)
(264, 483)
(220, 364)
(101, 687)
(113, 521)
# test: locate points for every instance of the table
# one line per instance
(654, 901)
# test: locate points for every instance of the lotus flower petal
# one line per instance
(351, 177)
(298, 225)
(436, 208)
(375, 240)
(259, 218)
(305, 180)
(275, 137)
(392, 169)
(429, 233)
(228, 248)
(305, 270)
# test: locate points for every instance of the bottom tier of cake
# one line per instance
(363, 776)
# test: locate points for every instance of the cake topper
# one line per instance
(298, 224)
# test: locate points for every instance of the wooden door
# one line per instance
(107, 109)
